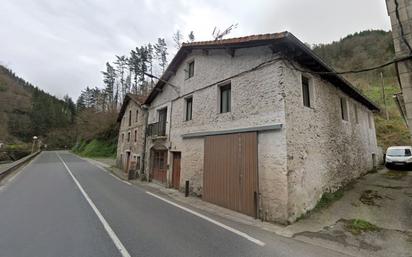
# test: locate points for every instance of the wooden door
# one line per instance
(176, 170)
(126, 170)
(230, 171)
(159, 166)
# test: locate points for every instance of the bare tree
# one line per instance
(219, 35)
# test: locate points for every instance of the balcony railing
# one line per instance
(157, 129)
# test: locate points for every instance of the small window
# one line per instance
(306, 91)
(189, 104)
(122, 137)
(225, 98)
(190, 69)
(138, 163)
(128, 137)
(137, 116)
(135, 135)
(130, 118)
(344, 108)
(356, 114)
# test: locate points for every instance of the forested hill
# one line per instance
(369, 49)
(27, 111)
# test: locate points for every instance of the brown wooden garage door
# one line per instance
(230, 171)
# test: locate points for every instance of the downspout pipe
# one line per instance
(146, 120)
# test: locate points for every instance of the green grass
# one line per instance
(393, 174)
(328, 198)
(325, 201)
(95, 148)
(358, 226)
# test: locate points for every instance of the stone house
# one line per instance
(130, 145)
(257, 124)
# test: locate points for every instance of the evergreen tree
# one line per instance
(121, 64)
(178, 38)
(161, 53)
(109, 78)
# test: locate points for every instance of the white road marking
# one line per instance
(106, 225)
(240, 233)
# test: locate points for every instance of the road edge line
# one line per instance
(233, 230)
(123, 251)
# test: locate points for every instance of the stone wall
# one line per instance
(135, 146)
(324, 151)
(257, 100)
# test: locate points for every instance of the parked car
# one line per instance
(398, 156)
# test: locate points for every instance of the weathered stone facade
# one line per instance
(131, 138)
(324, 151)
(312, 151)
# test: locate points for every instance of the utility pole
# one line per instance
(384, 97)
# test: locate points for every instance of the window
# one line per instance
(128, 136)
(138, 163)
(225, 92)
(356, 114)
(397, 152)
(190, 69)
(122, 137)
(137, 116)
(189, 104)
(130, 118)
(135, 135)
(344, 108)
(162, 122)
(306, 91)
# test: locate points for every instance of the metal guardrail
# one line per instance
(8, 168)
(156, 129)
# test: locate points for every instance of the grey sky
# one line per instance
(61, 46)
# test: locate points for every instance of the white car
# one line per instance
(398, 156)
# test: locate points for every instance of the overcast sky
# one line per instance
(62, 45)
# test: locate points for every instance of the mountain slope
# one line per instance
(26, 111)
(368, 49)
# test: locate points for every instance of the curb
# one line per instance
(15, 165)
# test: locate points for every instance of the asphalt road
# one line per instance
(60, 205)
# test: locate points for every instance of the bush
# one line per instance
(357, 226)
(95, 148)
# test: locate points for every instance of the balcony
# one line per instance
(157, 129)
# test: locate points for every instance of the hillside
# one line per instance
(368, 49)
(27, 111)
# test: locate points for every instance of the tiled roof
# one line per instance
(136, 98)
(237, 40)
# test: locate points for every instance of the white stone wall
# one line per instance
(136, 148)
(324, 151)
(257, 100)
(314, 152)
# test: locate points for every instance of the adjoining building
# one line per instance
(130, 145)
(257, 124)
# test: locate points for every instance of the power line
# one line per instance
(395, 61)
